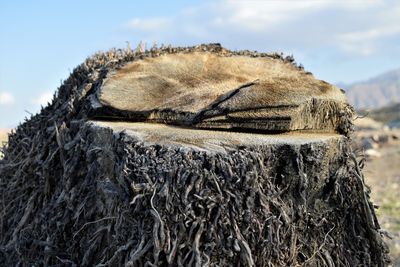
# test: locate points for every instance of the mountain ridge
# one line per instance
(376, 92)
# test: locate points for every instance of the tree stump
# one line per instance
(194, 156)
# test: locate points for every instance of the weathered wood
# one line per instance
(214, 141)
(218, 89)
(79, 189)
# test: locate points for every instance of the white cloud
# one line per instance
(149, 24)
(6, 98)
(365, 42)
(289, 17)
(371, 34)
(261, 15)
(43, 99)
(347, 27)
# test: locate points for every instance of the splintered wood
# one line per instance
(221, 90)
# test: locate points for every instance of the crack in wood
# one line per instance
(201, 115)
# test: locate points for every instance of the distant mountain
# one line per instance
(377, 92)
(389, 115)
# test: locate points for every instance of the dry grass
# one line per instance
(3, 138)
(3, 135)
(383, 175)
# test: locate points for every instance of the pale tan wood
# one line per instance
(216, 90)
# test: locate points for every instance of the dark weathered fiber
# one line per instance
(74, 193)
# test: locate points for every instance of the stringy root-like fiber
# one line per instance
(77, 195)
(114, 201)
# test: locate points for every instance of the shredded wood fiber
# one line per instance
(74, 193)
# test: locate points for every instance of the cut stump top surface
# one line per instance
(209, 89)
(212, 141)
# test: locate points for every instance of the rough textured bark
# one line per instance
(78, 192)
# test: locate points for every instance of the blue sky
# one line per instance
(42, 41)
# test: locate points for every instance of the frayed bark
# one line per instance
(127, 203)
(76, 194)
